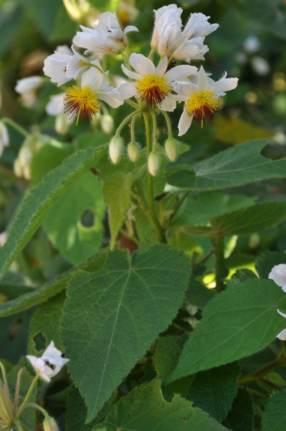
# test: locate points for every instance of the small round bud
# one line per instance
(133, 152)
(50, 424)
(62, 124)
(171, 149)
(154, 162)
(116, 147)
(107, 123)
(4, 137)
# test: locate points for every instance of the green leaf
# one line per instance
(145, 409)
(214, 390)
(117, 194)
(237, 323)
(234, 167)
(45, 323)
(75, 412)
(241, 417)
(112, 316)
(251, 219)
(38, 200)
(274, 418)
(267, 260)
(166, 354)
(36, 296)
(83, 200)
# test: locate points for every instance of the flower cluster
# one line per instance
(149, 86)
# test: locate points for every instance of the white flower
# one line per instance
(202, 98)
(260, 66)
(106, 37)
(84, 99)
(66, 64)
(49, 364)
(282, 334)
(251, 44)
(27, 88)
(154, 85)
(4, 137)
(278, 275)
(169, 39)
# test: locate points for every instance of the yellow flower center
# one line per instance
(153, 88)
(202, 104)
(81, 102)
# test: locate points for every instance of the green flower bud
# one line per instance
(50, 424)
(133, 152)
(154, 162)
(62, 124)
(171, 149)
(116, 148)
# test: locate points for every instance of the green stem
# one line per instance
(17, 388)
(132, 129)
(154, 129)
(37, 407)
(168, 124)
(28, 395)
(15, 126)
(220, 269)
(125, 122)
(262, 372)
(150, 179)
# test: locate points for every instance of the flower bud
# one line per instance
(4, 137)
(133, 152)
(50, 424)
(171, 149)
(62, 124)
(116, 147)
(154, 162)
(107, 123)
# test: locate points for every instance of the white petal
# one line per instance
(281, 314)
(130, 28)
(92, 78)
(278, 275)
(225, 84)
(182, 72)
(112, 98)
(127, 90)
(27, 85)
(162, 66)
(203, 79)
(169, 103)
(130, 73)
(282, 335)
(184, 122)
(141, 64)
(56, 105)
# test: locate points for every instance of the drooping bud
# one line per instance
(133, 152)
(50, 424)
(154, 162)
(107, 123)
(62, 124)
(171, 149)
(4, 137)
(116, 147)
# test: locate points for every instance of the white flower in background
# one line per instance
(83, 100)
(66, 64)
(152, 84)
(27, 88)
(251, 44)
(49, 364)
(4, 137)
(278, 275)
(127, 11)
(106, 37)
(188, 44)
(260, 66)
(282, 334)
(202, 98)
